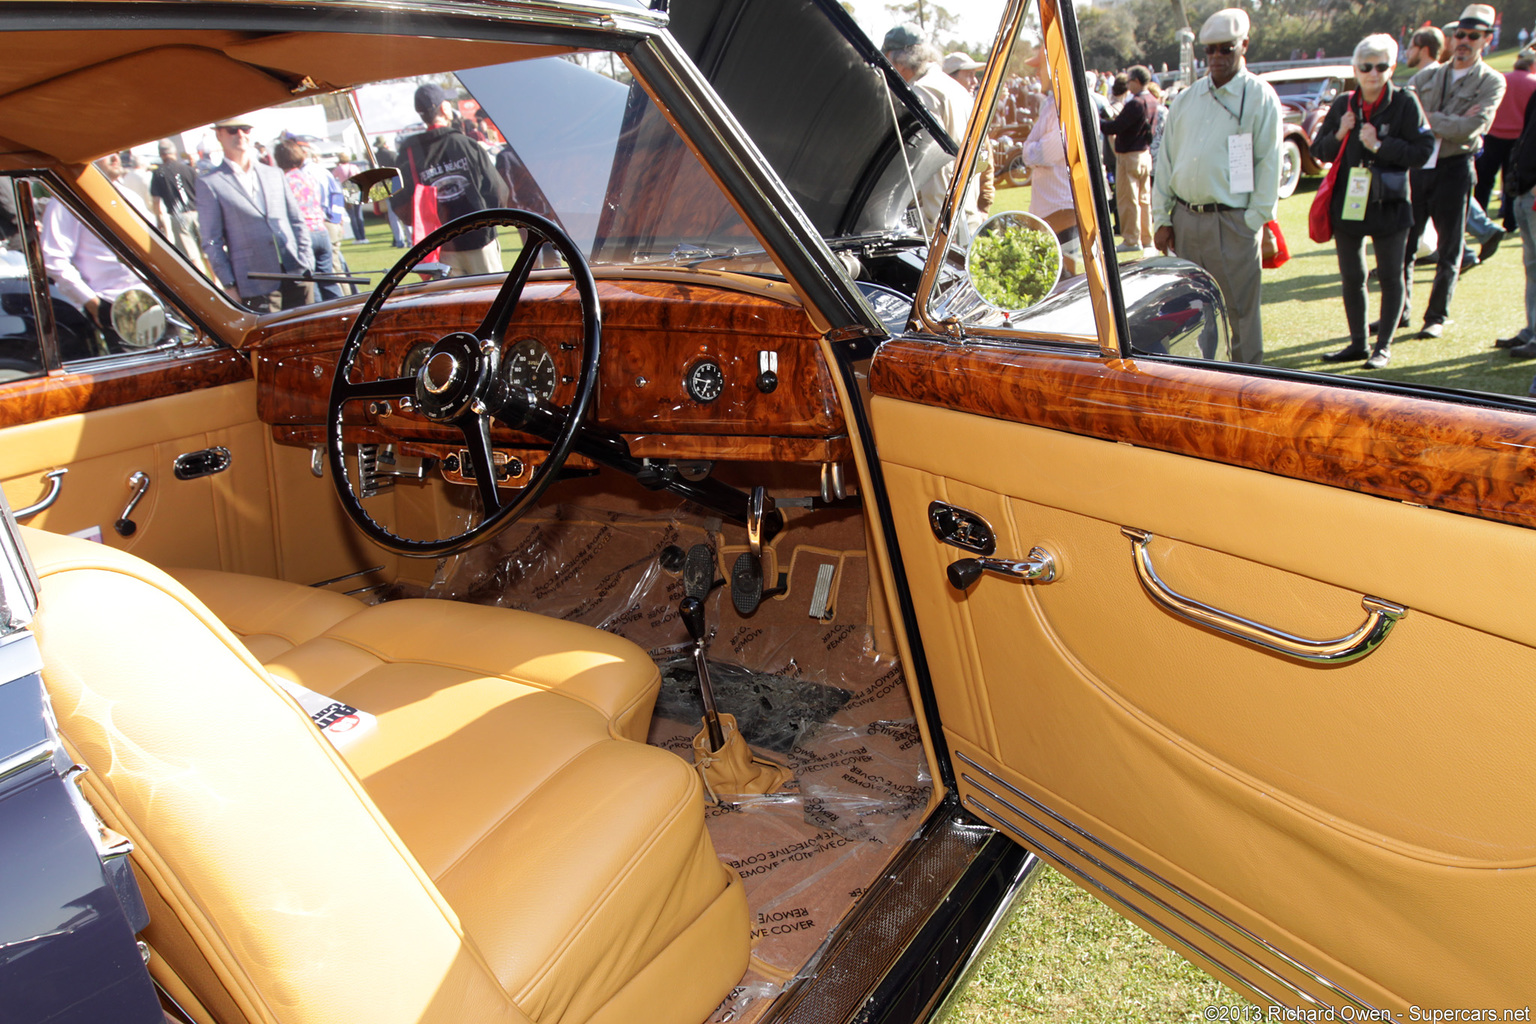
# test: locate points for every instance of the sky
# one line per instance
(978, 18)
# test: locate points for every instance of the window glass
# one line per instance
(20, 345)
(100, 305)
(573, 139)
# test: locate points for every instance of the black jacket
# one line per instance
(460, 170)
(1132, 127)
(1406, 142)
(1521, 173)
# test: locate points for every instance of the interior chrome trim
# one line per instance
(1189, 899)
(1381, 616)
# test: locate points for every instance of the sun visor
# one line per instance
(48, 116)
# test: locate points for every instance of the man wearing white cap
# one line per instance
(917, 61)
(1217, 176)
(1460, 98)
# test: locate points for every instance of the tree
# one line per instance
(1108, 36)
(927, 15)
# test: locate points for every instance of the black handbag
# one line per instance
(1394, 186)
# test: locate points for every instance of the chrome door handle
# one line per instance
(1039, 567)
(55, 478)
(1380, 618)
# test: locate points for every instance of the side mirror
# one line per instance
(1014, 261)
(138, 318)
(371, 186)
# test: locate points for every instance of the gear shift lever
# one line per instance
(698, 580)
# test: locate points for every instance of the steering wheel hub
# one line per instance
(453, 375)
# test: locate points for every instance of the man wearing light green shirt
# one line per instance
(1217, 177)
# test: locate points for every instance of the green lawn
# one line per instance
(1304, 313)
(373, 257)
(1064, 956)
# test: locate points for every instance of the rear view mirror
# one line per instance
(1014, 261)
(371, 186)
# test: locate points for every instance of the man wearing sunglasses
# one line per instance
(1459, 99)
(1216, 178)
(251, 223)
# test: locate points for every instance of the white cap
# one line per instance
(1477, 16)
(958, 61)
(1225, 26)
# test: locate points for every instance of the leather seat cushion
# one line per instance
(269, 615)
(575, 859)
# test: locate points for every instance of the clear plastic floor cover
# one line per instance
(811, 692)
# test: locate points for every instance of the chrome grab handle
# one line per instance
(1039, 567)
(138, 483)
(55, 478)
(1381, 617)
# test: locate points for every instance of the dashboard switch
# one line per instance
(767, 371)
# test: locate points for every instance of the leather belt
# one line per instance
(1207, 207)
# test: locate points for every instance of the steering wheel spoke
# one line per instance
(391, 387)
(477, 440)
(505, 304)
(457, 384)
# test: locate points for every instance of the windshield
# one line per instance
(572, 138)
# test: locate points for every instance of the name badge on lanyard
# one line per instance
(1357, 192)
(1240, 162)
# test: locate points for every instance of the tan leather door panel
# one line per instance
(220, 521)
(1360, 834)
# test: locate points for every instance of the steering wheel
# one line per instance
(459, 383)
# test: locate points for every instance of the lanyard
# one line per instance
(1242, 104)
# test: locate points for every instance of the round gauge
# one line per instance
(705, 381)
(414, 357)
(527, 364)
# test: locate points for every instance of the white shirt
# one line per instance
(82, 266)
(1050, 186)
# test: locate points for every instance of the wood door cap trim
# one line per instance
(1459, 458)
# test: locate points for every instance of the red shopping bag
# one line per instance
(1276, 252)
(1319, 220)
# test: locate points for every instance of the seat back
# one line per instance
(278, 890)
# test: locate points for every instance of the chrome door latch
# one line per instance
(206, 462)
(961, 528)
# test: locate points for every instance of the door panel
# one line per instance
(221, 521)
(1366, 822)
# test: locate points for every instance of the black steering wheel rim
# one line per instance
(471, 395)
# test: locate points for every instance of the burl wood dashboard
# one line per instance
(681, 374)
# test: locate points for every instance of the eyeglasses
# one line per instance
(1213, 48)
(1380, 69)
(236, 129)
(1473, 36)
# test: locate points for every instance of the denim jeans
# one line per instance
(1479, 226)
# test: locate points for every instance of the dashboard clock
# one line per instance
(705, 381)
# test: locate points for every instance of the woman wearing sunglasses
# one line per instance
(1374, 134)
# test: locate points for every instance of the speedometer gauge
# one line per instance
(527, 364)
(414, 357)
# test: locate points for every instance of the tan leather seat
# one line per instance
(499, 848)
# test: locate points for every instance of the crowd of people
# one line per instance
(1196, 172)
(267, 225)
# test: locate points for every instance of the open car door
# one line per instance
(1272, 696)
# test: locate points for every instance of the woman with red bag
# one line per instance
(1374, 135)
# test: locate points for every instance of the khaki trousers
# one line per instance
(1133, 196)
(1228, 250)
(467, 262)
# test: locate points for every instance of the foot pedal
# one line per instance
(747, 583)
(821, 597)
(699, 571)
